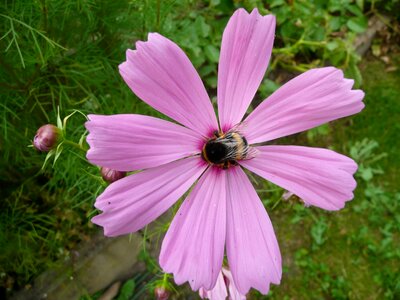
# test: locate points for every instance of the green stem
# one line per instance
(165, 279)
(292, 49)
(314, 43)
(75, 145)
(276, 203)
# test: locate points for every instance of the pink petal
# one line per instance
(234, 294)
(133, 142)
(320, 177)
(245, 52)
(311, 99)
(193, 248)
(131, 203)
(218, 292)
(160, 73)
(251, 245)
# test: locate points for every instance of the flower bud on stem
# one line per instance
(111, 175)
(161, 293)
(47, 137)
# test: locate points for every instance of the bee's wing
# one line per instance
(251, 152)
(239, 128)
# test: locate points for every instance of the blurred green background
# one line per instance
(63, 55)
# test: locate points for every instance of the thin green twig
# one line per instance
(50, 41)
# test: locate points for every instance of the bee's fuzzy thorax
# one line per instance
(225, 149)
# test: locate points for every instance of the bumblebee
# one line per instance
(225, 149)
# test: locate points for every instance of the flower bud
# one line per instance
(46, 138)
(111, 175)
(161, 293)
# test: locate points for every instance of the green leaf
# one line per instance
(318, 131)
(318, 231)
(282, 14)
(212, 81)
(318, 34)
(59, 122)
(334, 6)
(290, 30)
(354, 72)
(332, 45)
(127, 290)
(268, 87)
(207, 70)
(82, 138)
(202, 28)
(366, 174)
(304, 9)
(276, 3)
(355, 10)
(48, 156)
(59, 150)
(357, 24)
(215, 2)
(360, 4)
(337, 57)
(64, 124)
(212, 53)
(335, 23)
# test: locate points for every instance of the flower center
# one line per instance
(225, 149)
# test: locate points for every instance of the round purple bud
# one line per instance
(161, 293)
(111, 175)
(46, 138)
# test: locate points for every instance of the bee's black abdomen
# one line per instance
(216, 152)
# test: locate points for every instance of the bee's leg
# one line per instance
(216, 134)
(233, 162)
(226, 165)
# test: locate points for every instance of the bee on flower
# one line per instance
(222, 213)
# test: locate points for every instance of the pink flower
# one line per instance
(220, 291)
(223, 209)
